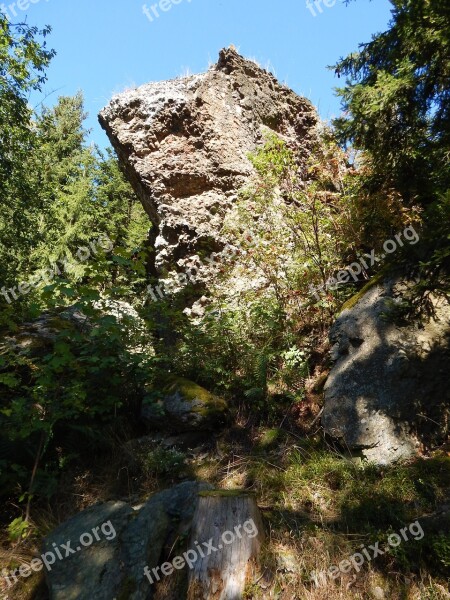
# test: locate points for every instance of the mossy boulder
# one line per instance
(36, 338)
(181, 405)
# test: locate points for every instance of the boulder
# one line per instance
(129, 540)
(180, 405)
(92, 572)
(184, 147)
(387, 394)
(162, 519)
(36, 337)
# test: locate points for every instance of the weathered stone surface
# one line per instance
(113, 567)
(185, 406)
(92, 572)
(387, 393)
(37, 337)
(184, 145)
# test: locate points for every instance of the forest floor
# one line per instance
(320, 506)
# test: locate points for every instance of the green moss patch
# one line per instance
(226, 494)
(204, 402)
(351, 302)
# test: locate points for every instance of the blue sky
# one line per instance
(105, 46)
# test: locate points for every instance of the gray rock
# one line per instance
(113, 567)
(93, 572)
(438, 522)
(184, 146)
(387, 393)
(37, 337)
(185, 406)
(142, 543)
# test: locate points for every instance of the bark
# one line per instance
(231, 523)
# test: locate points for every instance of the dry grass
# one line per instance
(318, 508)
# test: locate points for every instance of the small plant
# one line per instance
(163, 461)
(18, 529)
(441, 548)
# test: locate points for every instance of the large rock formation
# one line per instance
(184, 145)
(387, 394)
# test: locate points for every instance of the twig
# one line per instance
(317, 417)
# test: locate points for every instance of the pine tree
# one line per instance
(23, 61)
(396, 100)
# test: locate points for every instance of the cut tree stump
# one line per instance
(229, 522)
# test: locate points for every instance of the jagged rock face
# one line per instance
(387, 393)
(184, 145)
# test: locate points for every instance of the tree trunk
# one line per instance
(227, 529)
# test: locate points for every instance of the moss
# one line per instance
(351, 302)
(320, 382)
(127, 587)
(208, 403)
(269, 437)
(189, 389)
(226, 494)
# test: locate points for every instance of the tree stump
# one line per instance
(227, 529)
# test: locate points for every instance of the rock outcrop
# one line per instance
(184, 146)
(387, 394)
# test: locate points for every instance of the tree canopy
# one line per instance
(396, 100)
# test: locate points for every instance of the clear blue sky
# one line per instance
(105, 46)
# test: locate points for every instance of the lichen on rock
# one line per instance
(184, 145)
(183, 405)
